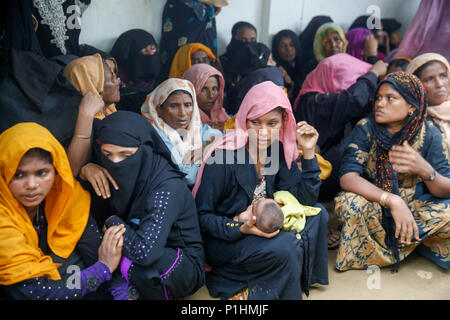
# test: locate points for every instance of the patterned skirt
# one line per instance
(363, 237)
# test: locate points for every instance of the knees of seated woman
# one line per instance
(282, 249)
(323, 214)
(354, 199)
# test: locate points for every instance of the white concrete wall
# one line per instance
(105, 20)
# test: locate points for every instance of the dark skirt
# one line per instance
(173, 276)
(273, 269)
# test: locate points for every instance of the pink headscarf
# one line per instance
(198, 74)
(333, 74)
(260, 99)
(428, 31)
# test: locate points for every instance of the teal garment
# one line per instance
(190, 171)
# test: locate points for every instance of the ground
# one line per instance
(418, 279)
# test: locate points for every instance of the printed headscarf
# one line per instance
(193, 138)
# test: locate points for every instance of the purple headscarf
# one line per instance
(428, 31)
(356, 40)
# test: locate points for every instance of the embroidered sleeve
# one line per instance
(72, 286)
(145, 245)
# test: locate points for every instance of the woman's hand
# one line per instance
(98, 177)
(405, 159)
(370, 46)
(219, 125)
(110, 250)
(379, 68)
(191, 157)
(405, 225)
(210, 143)
(91, 104)
(307, 137)
(198, 154)
(250, 227)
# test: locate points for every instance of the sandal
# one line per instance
(334, 237)
(240, 295)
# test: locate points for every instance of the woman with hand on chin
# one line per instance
(396, 177)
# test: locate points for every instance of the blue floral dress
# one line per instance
(363, 237)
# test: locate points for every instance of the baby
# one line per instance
(269, 217)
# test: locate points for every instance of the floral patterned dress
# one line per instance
(185, 21)
(363, 237)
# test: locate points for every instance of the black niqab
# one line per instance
(140, 173)
(126, 51)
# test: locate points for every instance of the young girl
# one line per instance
(46, 233)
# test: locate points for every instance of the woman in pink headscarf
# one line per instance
(334, 96)
(249, 164)
(209, 86)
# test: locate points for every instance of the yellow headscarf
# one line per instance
(66, 209)
(87, 75)
(182, 60)
(321, 37)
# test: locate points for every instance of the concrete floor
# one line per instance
(417, 279)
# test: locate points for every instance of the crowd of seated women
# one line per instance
(122, 172)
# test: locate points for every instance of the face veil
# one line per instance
(139, 173)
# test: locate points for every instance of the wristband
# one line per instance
(383, 199)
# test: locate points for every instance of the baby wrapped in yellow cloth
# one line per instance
(294, 213)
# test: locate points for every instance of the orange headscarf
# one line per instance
(182, 60)
(87, 75)
(66, 209)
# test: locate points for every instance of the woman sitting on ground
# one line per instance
(137, 56)
(395, 175)
(335, 96)
(363, 45)
(246, 165)
(241, 33)
(287, 53)
(328, 40)
(163, 254)
(45, 225)
(433, 71)
(189, 55)
(172, 109)
(209, 86)
(248, 58)
(95, 80)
